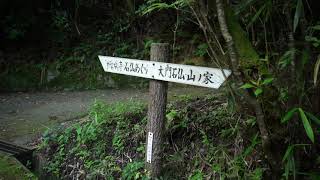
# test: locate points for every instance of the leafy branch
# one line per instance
(257, 86)
(305, 121)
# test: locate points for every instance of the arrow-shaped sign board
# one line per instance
(185, 74)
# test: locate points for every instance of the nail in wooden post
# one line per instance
(156, 112)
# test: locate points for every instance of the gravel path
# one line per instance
(24, 116)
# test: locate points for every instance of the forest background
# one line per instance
(272, 47)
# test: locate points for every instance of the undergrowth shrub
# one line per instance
(203, 140)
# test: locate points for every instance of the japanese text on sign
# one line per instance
(193, 75)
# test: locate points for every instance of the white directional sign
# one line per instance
(193, 75)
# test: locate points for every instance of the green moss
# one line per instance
(10, 168)
(247, 55)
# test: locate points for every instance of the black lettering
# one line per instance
(174, 74)
(180, 74)
(200, 76)
(115, 65)
(137, 68)
(111, 65)
(191, 76)
(160, 71)
(131, 67)
(120, 66)
(145, 69)
(168, 69)
(126, 68)
(207, 78)
(108, 64)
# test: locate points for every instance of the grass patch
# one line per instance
(12, 169)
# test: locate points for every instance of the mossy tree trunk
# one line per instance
(240, 47)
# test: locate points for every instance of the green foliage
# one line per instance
(197, 175)
(117, 141)
(156, 5)
(201, 50)
(298, 14)
(204, 157)
(111, 143)
(304, 119)
(313, 39)
(264, 11)
(286, 59)
(245, 4)
(90, 141)
(247, 55)
(10, 168)
(256, 34)
(237, 167)
(289, 115)
(134, 170)
(288, 159)
(257, 86)
(306, 125)
(147, 46)
(79, 68)
(60, 21)
(316, 71)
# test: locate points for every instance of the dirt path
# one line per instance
(24, 116)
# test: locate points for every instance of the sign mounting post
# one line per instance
(159, 52)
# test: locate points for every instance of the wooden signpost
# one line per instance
(159, 70)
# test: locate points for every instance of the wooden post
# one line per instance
(156, 112)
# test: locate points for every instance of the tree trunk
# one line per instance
(130, 5)
(239, 80)
(156, 113)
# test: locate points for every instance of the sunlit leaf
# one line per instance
(286, 170)
(243, 5)
(254, 18)
(288, 152)
(316, 71)
(267, 81)
(297, 15)
(258, 91)
(313, 118)
(311, 38)
(251, 147)
(196, 176)
(216, 168)
(156, 6)
(247, 86)
(289, 115)
(316, 27)
(254, 82)
(286, 58)
(293, 167)
(306, 125)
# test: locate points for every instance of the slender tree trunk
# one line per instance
(238, 77)
(130, 5)
(76, 16)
